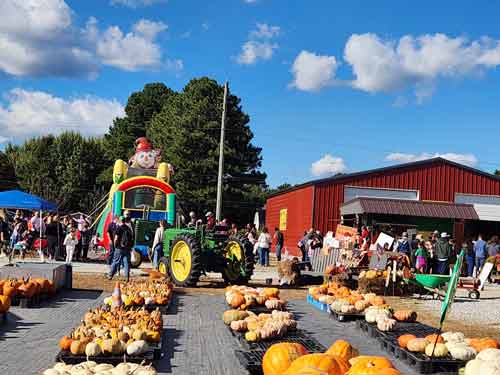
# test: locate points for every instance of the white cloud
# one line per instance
(389, 65)
(253, 51)
(31, 113)
(136, 3)
(38, 38)
(466, 159)
(131, 51)
(328, 165)
(265, 31)
(313, 72)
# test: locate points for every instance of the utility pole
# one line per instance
(218, 210)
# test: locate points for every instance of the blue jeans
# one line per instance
(120, 256)
(470, 265)
(157, 254)
(263, 256)
(111, 253)
(479, 264)
(278, 252)
(443, 267)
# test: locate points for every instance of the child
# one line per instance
(70, 242)
(421, 255)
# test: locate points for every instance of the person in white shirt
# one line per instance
(70, 242)
(36, 223)
(264, 244)
(158, 244)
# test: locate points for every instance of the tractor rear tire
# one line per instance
(184, 263)
(246, 263)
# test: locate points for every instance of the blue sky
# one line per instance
(330, 87)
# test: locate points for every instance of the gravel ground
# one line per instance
(195, 337)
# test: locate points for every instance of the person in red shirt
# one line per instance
(210, 220)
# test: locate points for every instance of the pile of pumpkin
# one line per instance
(114, 332)
(453, 344)
(145, 292)
(487, 362)
(340, 359)
(26, 288)
(244, 297)
(385, 319)
(92, 368)
(260, 327)
(344, 300)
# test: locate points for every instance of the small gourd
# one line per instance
(405, 316)
(92, 350)
(137, 348)
(386, 325)
(77, 347)
(436, 350)
(453, 336)
(417, 345)
(252, 336)
(140, 335)
(239, 325)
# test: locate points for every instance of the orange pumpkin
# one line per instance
(388, 371)
(9, 288)
(405, 316)
(65, 343)
(378, 301)
(342, 349)
(236, 300)
(485, 343)
(4, 304)
(279, 357)
(403, 340)
(318, 364)
(369, 365)
(432, 338)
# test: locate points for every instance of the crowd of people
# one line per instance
(438, 253)
(59, 238)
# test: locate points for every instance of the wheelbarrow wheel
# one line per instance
(474, 294)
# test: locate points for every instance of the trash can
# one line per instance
(68, 283)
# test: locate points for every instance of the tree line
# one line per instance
(75, 171)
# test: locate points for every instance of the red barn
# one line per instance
(421, 196)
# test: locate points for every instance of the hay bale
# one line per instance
(289, 271)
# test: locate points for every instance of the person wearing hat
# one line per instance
(442, 255)
(210, 220)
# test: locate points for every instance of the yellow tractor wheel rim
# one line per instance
(162, 267)
(235, 254)
(180, 261)
(233, 251)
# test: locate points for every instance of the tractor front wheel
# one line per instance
(239, 260)
(184, 263)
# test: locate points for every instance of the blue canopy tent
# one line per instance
(16, 199)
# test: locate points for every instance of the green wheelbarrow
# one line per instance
(432, 283)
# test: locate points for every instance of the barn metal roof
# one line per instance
(442, 210)
(346, 176)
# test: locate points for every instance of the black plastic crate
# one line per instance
(251, 361)
(341, 317)
(417, 329)
(311, 344)
(3, 318)
(163, 308)
(368, 328)
(26, 302)
(423, 363)
(66, 357)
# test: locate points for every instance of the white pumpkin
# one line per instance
(374, 314)
(490, 367)
(61, 367)
(149, 301)
(51, 371)
(386, 324)
(489, 355)
(461, 352)
(473, 367)
(92, 350)
(137, 348)
(103, 367)
(453, 336)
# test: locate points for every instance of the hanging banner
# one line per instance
(452, 288)
(283, 218)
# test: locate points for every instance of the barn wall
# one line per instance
(299, 204)
(436, 181)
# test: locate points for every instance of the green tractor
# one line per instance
(191, 252)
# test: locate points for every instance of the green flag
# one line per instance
(452, 287)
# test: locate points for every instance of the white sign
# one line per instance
(383, 239)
